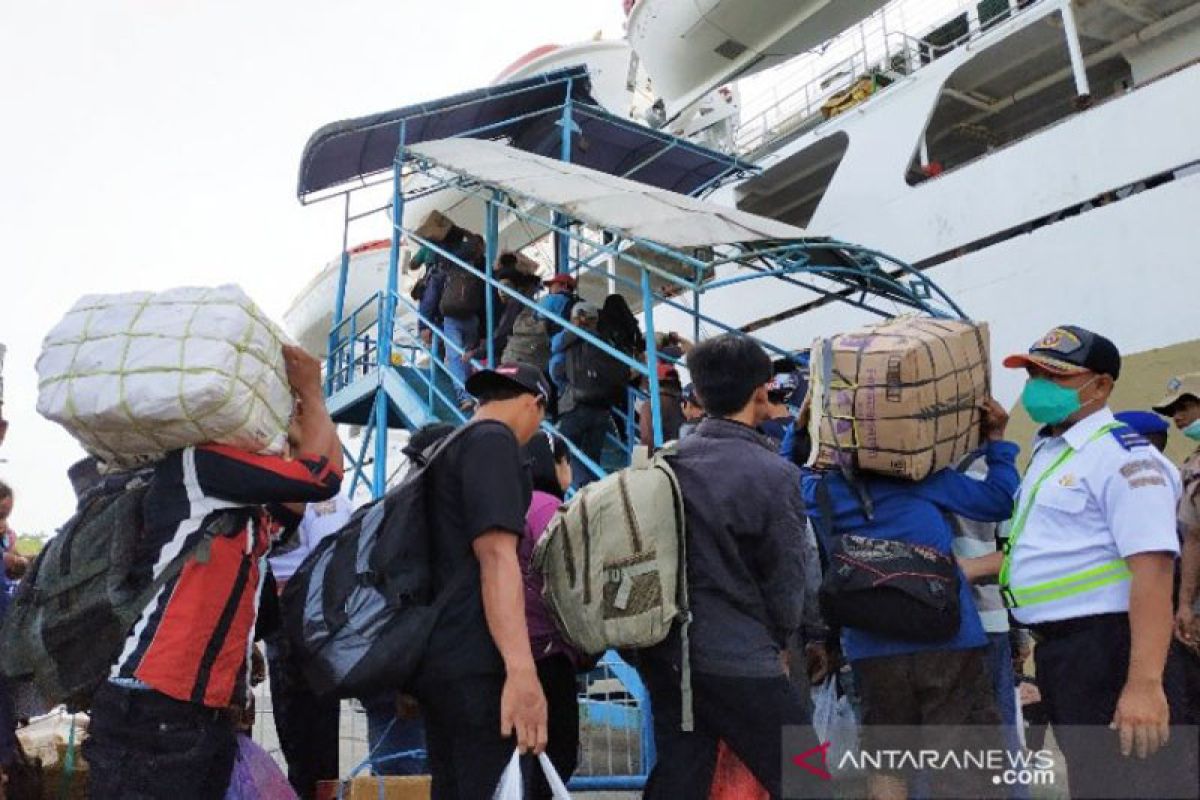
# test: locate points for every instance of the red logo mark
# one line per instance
(820, 771)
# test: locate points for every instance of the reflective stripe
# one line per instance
(1068, 585)
(1112, 572)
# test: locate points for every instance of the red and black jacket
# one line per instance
(192, 640)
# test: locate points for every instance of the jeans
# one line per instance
(467, 754)
(999, 658)
(587, 427)
(464, 332)
(388, 734)
(307, 725)
(748, 714)
(143, 745)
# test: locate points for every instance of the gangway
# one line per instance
(620, 202)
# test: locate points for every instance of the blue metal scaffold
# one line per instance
(541, 155)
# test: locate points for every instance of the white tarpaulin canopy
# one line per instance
(626, 207)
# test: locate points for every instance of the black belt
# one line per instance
(1060, 629)
(157, 704)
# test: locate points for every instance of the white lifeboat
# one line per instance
(310, 316)
(690, 47)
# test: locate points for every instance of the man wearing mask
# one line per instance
(1182, 405)
(1088, 567)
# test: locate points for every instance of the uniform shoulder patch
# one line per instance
(1128, 438)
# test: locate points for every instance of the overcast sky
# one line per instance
(154, 144)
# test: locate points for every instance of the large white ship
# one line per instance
(1038, 157)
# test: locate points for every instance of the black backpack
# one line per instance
(595, 378)
(361, 607)
(463, 294)
(71, 614)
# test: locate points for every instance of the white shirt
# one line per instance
(1105, 502)
(320, 520)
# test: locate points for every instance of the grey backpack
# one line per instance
(614, 563)
(529, 342)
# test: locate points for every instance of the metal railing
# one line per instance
(798, 98)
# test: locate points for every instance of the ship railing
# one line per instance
(892, 55)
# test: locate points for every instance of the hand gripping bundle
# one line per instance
(134, 376)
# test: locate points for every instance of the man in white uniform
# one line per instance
(1088, 568)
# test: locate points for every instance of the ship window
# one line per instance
(1009, 91)
(791, 190)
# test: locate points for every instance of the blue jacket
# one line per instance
(558, 360)
(915, 512)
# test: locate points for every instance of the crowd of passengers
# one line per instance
(761, 527)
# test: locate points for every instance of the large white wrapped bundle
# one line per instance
(133, 376)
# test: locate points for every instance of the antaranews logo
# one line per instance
(809, 758)
(961, 767)
(973, 761)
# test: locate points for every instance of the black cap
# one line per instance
(1069, 350)
(512, 375)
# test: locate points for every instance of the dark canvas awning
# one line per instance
(528, 114)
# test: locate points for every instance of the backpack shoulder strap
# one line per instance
(661, 461)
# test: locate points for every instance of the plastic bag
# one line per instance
(512, 785)
(256, 776)
(834, 722)
(733, 780)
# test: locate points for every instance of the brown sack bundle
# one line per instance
(900, 398)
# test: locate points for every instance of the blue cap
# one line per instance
(1144, 422)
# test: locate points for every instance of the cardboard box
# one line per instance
(366, 787)
(900, 398)
(434, 227)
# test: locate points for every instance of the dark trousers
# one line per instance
(307, 725)
(467, 754)
(143, 745)
(557, 676)
(748, 714)
(1081, 670)
(938, 699)
(587, 427)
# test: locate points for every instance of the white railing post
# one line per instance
(1078, 69)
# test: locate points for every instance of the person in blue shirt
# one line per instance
(559, 299)
(911, 683)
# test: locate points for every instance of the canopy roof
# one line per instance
(626, 207)
(527, 113)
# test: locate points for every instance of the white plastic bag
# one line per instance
(834, 722)
(512, 786)
(133, 376)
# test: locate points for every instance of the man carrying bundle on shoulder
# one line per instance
(158, 726)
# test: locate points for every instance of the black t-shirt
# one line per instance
(478, 484)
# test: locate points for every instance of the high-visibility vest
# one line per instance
(1068, 585)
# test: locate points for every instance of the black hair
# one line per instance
(725, 372)
(542, 455)
(6, 491)
(619, 326)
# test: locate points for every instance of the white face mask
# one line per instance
(1193, 431)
